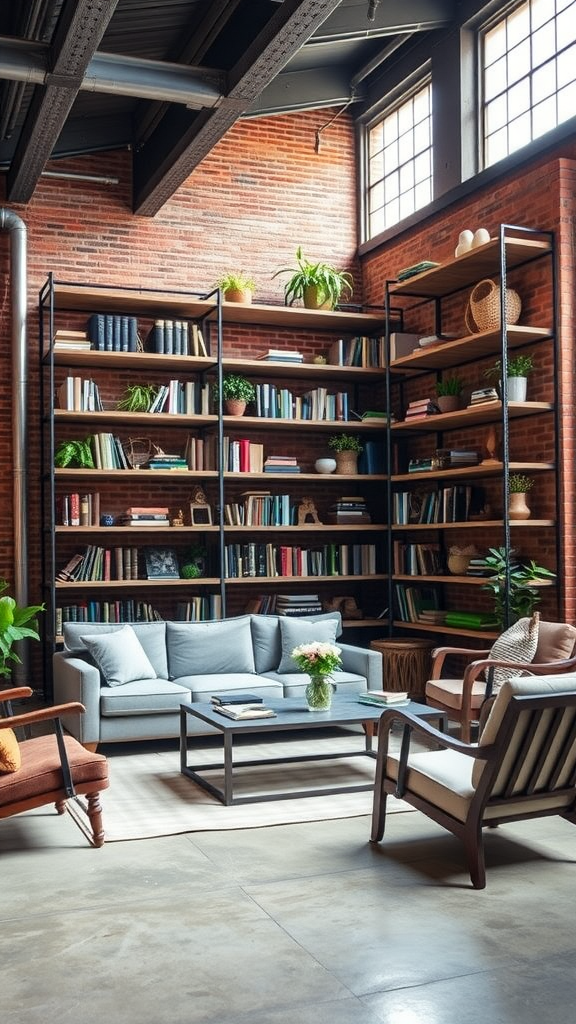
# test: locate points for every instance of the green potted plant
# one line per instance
(236, 286)
(74, 454)
(513, 583)
(16, 623)
(347, 448)
(318, 285)
(137, 398)
(518, 487)
(237, 391)
(448, 392)
(518, 368)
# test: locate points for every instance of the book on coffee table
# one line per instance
(236, 698)
(240, 712)
(387, 698)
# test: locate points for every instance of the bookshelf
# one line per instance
(324, 548)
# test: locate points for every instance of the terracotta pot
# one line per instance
(235, 406)
(238, 295)
(311, 298)
(448, 403)
(346, 462)
(518, 508)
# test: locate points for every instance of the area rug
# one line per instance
(148, 797)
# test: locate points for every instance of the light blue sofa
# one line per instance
(132, 689)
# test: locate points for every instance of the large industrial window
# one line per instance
(528, 61)
(399, 161)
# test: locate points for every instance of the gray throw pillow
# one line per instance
(120, 656)
(209, 648)
(294, 632)
(266, 637)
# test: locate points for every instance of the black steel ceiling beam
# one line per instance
(183, 140)
(349, 21)
(78, 33)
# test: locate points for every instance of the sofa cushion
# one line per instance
(10, 759)
(120, 656)
(347, 684)
(152, 636)
(209, 648)
(202, 687)
(266, 637)
(143, 697)
(300, 631)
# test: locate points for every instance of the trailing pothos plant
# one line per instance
(77, 454)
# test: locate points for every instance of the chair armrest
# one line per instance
(42, 715)
(16, 693)
(439, 655)
(365, 662)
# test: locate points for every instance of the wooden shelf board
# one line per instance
(311, 371)
(474, 581)
(310, 528)
(149, 303)
(80, 585)
(308, 581)
(465, 271)
(274, 422)
(469, 348)
(323, 478)
(129, 419)
(367, 623)
(488, 412)
(95, 359)
(129, 531)
(483, 469)
(126, 474)
(474, 524)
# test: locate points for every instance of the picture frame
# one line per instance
(200, 515)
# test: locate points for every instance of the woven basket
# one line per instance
(137, 451)
(483, 309)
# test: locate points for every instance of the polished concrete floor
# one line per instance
(287, 925)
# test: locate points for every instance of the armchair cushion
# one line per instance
(297, 631)
(10, 757)
(449, 693)
(120, 656)
(556, 641)
(518, 644)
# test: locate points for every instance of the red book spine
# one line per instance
(244, 447)
(74, 510)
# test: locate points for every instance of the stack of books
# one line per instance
(470, 620)
(243, 712)
(65, 341)
(383, 698)
(349, 509)
(451, 457)
(281, 464)
(420, 465)
(298, 604)
(171, 462)
(482, 395)
(420, 408)
(145, 516)
(282, 355)
(477, 567)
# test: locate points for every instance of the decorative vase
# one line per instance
(325, 465)
(465, 240)
(518, 507)
(346, 462)
(319, 693)
(235, 406)
(517, 389)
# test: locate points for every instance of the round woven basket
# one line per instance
(483, 309)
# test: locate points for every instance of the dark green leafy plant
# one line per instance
(16, 623)
(332, 284)
(235, 386)
(517, 589)
(137, 398)
(75, 454)
(449, 386)
(345, 443)
(518, 366)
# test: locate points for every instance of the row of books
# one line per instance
(177, 338)
(359, 351)
(452, 504)
(271, 560)
(412, 602)
(261, 508)
(98, 563)
(199, 609)
(242, 455)
(274, 402)
(77, 394)
(106, 611)
(417, 559)
(112, 332)
(78, 509)
(188, 398)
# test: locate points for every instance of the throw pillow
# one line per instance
(299, 631)
(120, 656)
(210, 648)
(10, 759)
(517, 644)
(556, 641)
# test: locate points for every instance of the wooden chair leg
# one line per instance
(91, 808)
(474, 847)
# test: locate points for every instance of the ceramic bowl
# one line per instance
(325, 465)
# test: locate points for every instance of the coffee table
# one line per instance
(292, 715)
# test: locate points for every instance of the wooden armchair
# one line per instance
(50, 768)
(462, 699)
(523, 767)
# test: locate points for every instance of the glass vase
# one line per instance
(319, 693)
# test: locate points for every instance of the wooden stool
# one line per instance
(406, 663)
